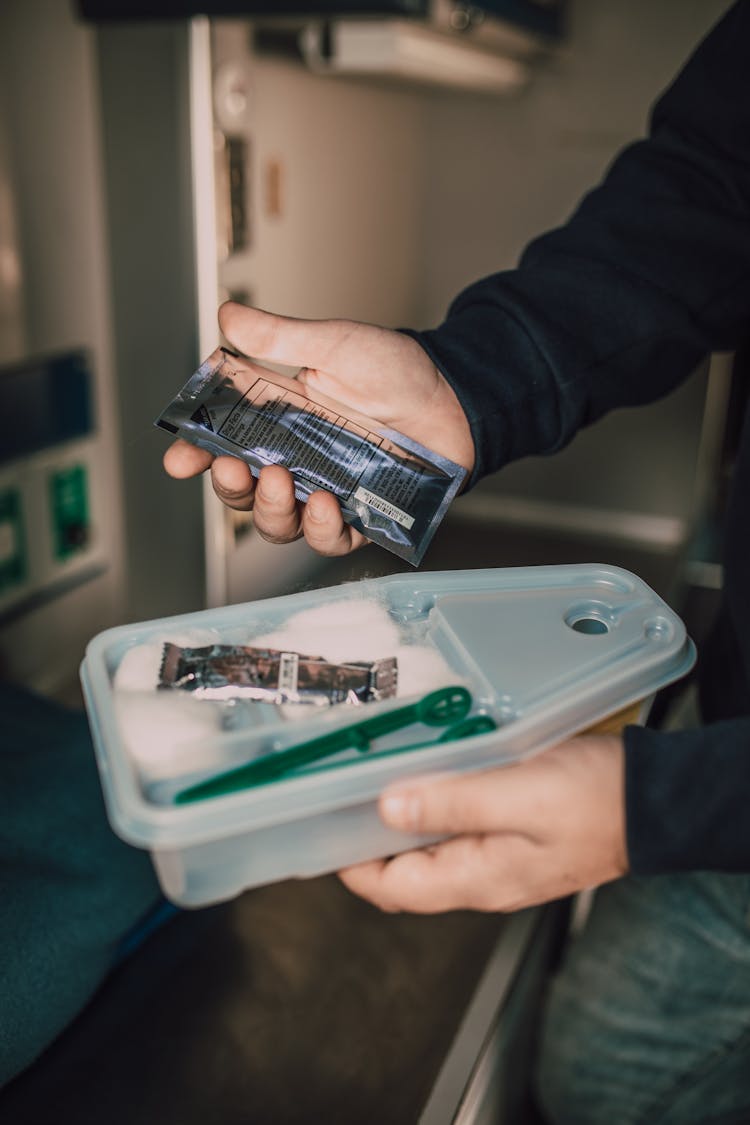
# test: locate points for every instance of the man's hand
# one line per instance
(520, 835)
(376, 371)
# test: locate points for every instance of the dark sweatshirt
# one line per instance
(616, 308)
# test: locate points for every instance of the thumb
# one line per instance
(283, 339)
(452, 805)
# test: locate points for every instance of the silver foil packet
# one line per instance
(389, 487)
(274, 676)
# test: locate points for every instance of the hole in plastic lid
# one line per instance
(592, 618)
(589, 625)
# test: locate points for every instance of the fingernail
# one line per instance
(267, 491)
(313, 513)
(402, 810)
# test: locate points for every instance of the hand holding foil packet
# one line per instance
(389, 487)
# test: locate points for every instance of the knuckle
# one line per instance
(235, 497)
(279, 537)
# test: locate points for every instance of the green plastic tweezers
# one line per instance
(448, 707)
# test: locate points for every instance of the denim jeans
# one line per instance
(648, 1020)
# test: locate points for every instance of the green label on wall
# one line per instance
(70, 511)
(13, 567)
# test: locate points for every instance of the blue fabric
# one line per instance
(648, 1022)
(73, 896)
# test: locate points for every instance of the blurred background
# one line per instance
(347, 158)
(158, 158)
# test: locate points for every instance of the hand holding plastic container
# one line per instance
(529, 656)
(392, 489)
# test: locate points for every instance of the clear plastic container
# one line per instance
(545, 652)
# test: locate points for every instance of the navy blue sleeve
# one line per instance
(618, 306)
(686, 798)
